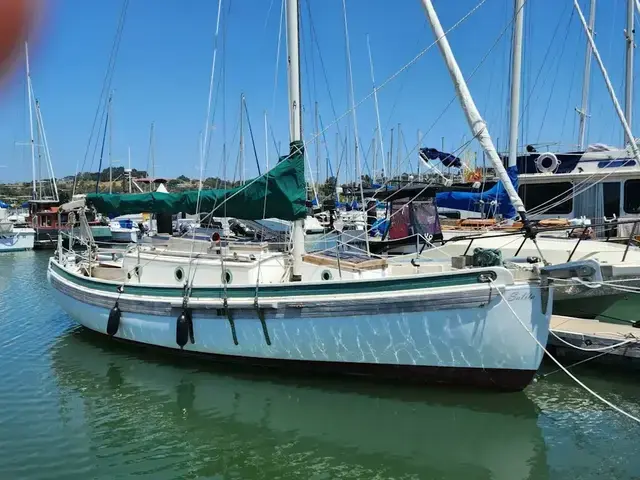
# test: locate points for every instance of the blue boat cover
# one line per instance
(3, 205)
(470, 201)
(380, 227)
(447, 159)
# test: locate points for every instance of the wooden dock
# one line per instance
(611, 343)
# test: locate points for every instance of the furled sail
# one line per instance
(279, 193)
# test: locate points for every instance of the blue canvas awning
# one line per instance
(494, 200)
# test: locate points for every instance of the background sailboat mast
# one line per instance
(516, 62)
(607, 81)
(586, 80)
(628, 90)
(295, 118)
(31, 139)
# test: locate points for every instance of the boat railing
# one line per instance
(607, 224)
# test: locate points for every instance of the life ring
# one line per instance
(547, 163)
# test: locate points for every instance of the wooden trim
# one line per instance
(324, 261)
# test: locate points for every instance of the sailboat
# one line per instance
(481, 326)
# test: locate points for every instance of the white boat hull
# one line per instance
(435, 334)
(124, 235)
(17, 240)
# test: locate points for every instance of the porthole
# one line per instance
(179, 274)
(227, 277)
(326, 275)
(137, 271)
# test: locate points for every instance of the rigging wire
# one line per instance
(104, 137)
(314, 40)
(106, 87)
(454, 97)
(555, 77)
(546, 56)
(564, 369)
(253, 140)
(408, 65)
(205, 143)
(354, 116)
(275, 81)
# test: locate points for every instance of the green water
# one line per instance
(76, 406)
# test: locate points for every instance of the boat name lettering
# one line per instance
(516, 296)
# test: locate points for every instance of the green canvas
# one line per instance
(284, 187)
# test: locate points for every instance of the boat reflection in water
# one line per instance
(144, 410)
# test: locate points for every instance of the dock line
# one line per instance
(562, 367)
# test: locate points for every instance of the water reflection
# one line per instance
(148, 414)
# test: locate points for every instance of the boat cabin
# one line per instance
(43, 214)
(411, 220)
(598, 183)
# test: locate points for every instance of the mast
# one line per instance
(628, 90)
(31, 139)
(295, 119)
(110, 146)
(266, 140)
(516, 61)
(374, 154)
(317, 145)
(476, 123)
(152, 154)
(612, 93)
(375, 103)
(390, 170)
(419, 160)
(242, 139)
(47, 152)
(130, 171)
(399, 152)
(586, 80)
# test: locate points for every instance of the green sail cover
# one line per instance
(284, 186)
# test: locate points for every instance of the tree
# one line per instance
(183, 178)
(328, 188)
(64, 196)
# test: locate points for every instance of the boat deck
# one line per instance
(597, 336)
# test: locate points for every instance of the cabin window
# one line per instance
(632, 196)
(326, 275)
(548, 198)
(227, 277)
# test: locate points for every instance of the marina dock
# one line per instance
(579, 338)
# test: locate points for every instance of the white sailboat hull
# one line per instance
(17, 239)
(455, 335)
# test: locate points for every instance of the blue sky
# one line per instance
(163, 66)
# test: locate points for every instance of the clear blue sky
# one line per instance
(162, 76)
